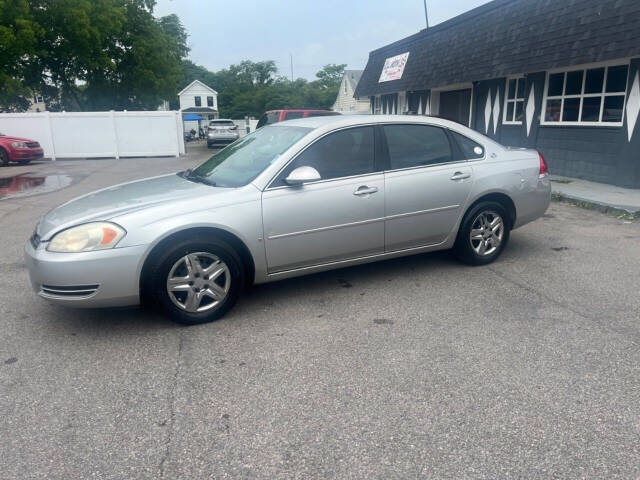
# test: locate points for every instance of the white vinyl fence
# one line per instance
(99, 134)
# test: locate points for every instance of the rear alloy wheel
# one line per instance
(196, 281)
(483, 234)
(4, 158)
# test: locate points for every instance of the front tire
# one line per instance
(483, 234)
(4, 158)
(196, 281)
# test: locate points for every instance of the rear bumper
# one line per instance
(222, 140)
(107, 278)
(534, 203)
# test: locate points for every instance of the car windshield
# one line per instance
(244, 160)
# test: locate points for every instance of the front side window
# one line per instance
(209, 101)
(244, 160)
(586, 97)
(514, 101)
(341, 154)
(417, 145)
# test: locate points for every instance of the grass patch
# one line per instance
(614, 212)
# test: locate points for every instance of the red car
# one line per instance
(21, 150)
(275, 116)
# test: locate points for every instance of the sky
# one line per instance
(316, 33)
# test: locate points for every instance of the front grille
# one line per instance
(66, 291)
(33, 144)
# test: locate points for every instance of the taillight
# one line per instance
(235, 127)
(544, 170)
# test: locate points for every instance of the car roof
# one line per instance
(221, 120)
(349, 120)
(295, 110)
(328, 123)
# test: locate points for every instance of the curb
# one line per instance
(592, 205)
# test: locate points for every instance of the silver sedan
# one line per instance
(292, 198)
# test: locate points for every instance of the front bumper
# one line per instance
(106, 278)
(20, 154)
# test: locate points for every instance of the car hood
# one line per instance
(120, 199)
(7, 138)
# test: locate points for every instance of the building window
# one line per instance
(39, 99)
(198, 101)
(590, 96)
(209, 101)
(377, 105)
(514, 101)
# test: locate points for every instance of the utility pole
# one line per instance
(426, 15)
(291, 56)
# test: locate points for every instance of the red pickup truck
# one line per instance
(275, 116)
(21, 150)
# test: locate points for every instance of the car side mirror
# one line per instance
(302, 175)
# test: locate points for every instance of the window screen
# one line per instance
(416, 145)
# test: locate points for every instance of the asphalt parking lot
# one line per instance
(412, 368)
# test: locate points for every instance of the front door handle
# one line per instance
(365, 190)
(460, 176)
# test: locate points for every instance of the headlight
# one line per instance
(19, 144)
(87, 238)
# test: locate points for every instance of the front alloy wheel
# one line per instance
(198, 282)
(194, 281)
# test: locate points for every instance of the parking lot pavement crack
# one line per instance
(631, 336)
(171, 400)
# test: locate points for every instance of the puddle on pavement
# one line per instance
(27, 184)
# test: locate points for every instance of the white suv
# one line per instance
(222, 132)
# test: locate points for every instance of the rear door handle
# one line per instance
(365, 190)
(460, 176)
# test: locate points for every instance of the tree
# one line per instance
(251, 88)
(97, 54)
(331, 75)
(19, 34)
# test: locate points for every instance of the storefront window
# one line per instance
(590, 96)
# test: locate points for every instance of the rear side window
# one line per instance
(221, 123)
(470, 149)
(341, 154)
(267, 119)
(417, 145)
(292, 115)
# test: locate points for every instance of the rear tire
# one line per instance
(24, 162)
(483, 234)
(4, 158)
(196, 281)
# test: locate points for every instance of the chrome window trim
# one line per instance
(484, 148)
(374, 124)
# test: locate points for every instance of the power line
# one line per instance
(426, 15)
